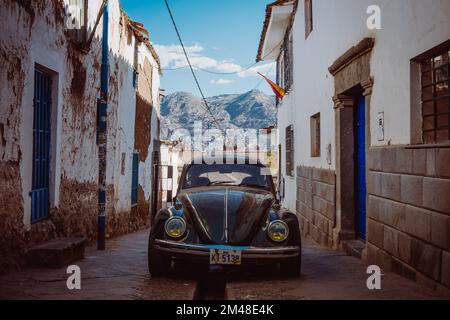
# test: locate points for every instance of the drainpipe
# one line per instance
(102, 135)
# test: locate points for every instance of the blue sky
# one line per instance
(220, 35)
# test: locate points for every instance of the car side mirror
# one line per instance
(177, 204)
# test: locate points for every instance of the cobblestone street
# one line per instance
(288, 149)
(121, 273)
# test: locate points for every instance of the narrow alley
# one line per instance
(225, 150)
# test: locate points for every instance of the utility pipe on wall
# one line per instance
(102, 134)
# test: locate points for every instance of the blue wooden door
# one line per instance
(41, 147)
(361, 168)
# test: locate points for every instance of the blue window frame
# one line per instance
(41, 147)
(135, 180)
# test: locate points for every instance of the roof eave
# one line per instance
(268, 24)
(142, 35)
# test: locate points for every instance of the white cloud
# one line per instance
(172, 57)
(197, 62)
(268, 69)
(228, 67)
(221, 81)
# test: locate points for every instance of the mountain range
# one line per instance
(251, 110)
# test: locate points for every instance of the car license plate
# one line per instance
(225, 257)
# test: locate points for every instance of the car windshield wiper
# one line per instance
(214, 183)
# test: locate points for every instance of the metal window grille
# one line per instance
(41, 147)
(288, 65)
(435, 76)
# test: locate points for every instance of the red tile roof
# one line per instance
(142, 35)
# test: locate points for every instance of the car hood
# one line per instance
(227, 215)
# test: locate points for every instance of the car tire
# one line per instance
(158, 264)
(292, 267)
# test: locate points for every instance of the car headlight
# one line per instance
(278, 231)
(175, 227)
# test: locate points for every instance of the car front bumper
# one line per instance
(202, 252)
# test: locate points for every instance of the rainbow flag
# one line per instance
(279, 92)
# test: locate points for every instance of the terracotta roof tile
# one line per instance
(142, 35)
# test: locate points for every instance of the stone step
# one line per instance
(56, 253)
(354, 247)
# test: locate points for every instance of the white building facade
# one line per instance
(51, 55)
(364, 127)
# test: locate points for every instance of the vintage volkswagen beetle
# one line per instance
(225, 215)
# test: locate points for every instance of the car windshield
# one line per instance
(202, 175)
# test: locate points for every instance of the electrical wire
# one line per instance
(213, 72)
(262, 79)
(258, 84)
(208, 109)
(190, 66)
(248, 67)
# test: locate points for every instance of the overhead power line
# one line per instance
(213, 72)
(190, 66)
(248, 67)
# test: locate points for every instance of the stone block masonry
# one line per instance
(316, 203)
(409, 212)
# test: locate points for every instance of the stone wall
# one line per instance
(316, 203)
(12, 236)
(408, 225)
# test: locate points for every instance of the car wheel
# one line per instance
(158, 264)
(291, 267)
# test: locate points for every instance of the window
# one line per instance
(315, 136)
(290, 151)
(136, 64)
(170, 172)
(285, 64)
(288, 66)
(249, 175)
(77, 20)
(280, 73)
(435, 81)
(169, 198)
(135, 180)
(308, 18)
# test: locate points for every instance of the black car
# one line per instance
(225, 215)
